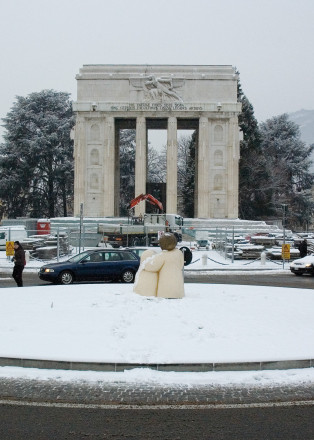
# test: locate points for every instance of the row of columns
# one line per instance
(110, 199)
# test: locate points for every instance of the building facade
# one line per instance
(114, 97)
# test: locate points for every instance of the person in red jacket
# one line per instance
(19, 263)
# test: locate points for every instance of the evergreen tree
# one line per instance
(288, 164)
(36, 158)
(254, 193)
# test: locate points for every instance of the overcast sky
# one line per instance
(45, 42)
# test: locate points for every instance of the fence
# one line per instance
(231, 243)
(44, 246)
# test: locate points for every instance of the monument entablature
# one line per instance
(203, 98)
(189, 109)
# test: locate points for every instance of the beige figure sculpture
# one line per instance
(168, 266)
(146, 282)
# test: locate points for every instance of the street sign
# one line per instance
(285, 251)
(9, 248)
(160, 234)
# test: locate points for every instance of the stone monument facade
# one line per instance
(111, 97)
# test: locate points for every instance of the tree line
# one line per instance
(36, 157)
(37, 165)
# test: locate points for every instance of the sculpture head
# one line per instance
(167, 242)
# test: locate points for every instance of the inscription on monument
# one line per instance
(155, 106)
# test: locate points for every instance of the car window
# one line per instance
(128, 256)
(79, 257)
(112, 256)
(96, 257)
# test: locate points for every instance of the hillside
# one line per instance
(305, 119)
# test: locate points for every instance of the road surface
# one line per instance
(255, 279)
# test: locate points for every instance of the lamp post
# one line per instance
(81, 224)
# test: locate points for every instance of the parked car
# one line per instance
(202, 244)
(303, 265)
(93, 265)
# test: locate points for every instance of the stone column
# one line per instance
(140, 163)
(236, 156)
(109, 166)
(80, 164)
(203, 170)
(233, 169)
(172, 166)
(117, 174)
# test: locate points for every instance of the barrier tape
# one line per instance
(194, 262)
(245, 264)
(224, 264)
(272, 261)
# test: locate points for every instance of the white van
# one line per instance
(11, 233)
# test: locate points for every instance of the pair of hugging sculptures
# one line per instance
(161, 274)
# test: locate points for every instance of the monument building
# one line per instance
(142, 97)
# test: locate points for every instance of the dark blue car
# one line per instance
(93, 265)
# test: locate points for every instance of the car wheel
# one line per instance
(66, 277)
(127, 276)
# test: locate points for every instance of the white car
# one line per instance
(303, 265)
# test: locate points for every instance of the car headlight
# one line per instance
(308, 265)
(48, 270)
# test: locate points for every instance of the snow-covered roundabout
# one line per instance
(108, 323)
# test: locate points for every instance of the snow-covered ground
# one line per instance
(216, 262)
(110, 323)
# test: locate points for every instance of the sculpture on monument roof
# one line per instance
(161, 89)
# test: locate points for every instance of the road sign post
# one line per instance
(285, 251)
(9, 249)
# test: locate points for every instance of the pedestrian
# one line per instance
(19, 263)
(303, 249)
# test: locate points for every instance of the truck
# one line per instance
(141, 231)
(11, 233)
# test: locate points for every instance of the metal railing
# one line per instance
(64, 241)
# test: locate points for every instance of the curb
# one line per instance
(188, 368)
(236, 269)
(8, 270)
